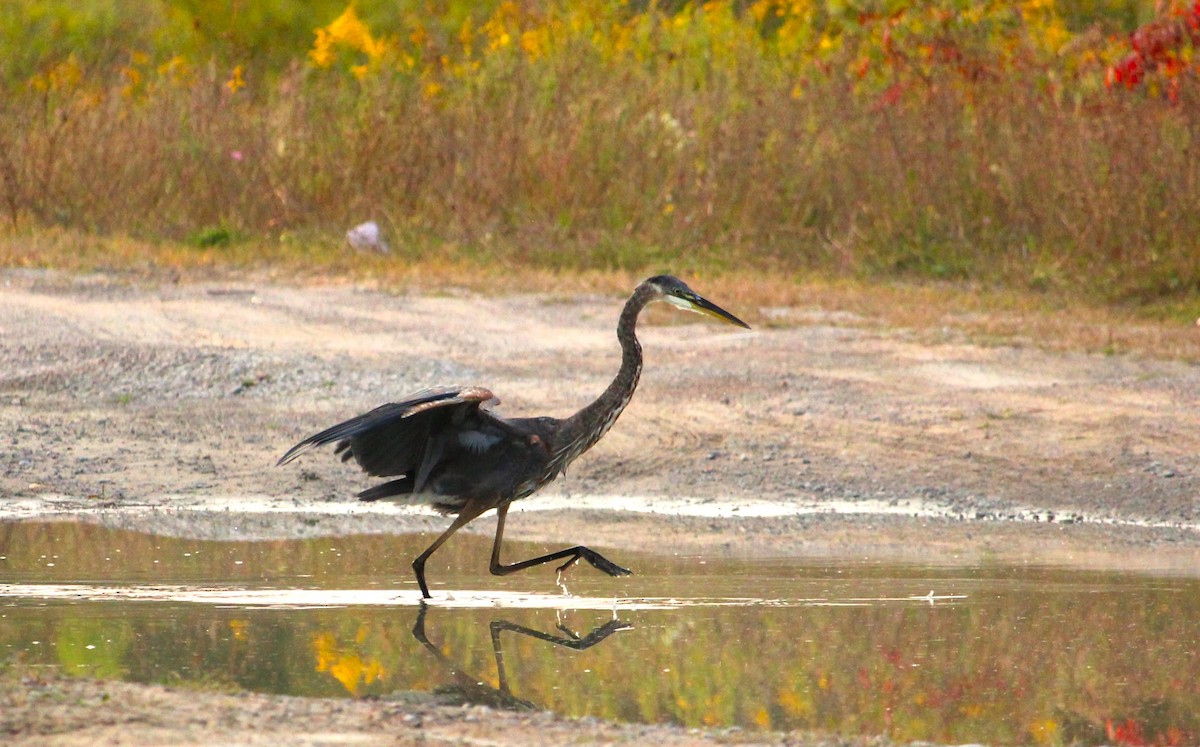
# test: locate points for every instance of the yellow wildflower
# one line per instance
(532, 44)
(236, 82)
(347, 30)
(375, 49)
(497, 26)
(64, 76)
(322, 54)
(134, 79)
(466, 36)
(794, 703)
(175, 70)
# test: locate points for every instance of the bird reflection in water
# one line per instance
(473, 690)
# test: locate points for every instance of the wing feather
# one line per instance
(391, 439)
(444, 449)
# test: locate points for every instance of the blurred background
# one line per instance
(1044, 146)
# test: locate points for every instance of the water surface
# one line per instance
(994, 654)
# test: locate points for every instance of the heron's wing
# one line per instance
(392, 439)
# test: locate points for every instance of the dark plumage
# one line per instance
(447, 450)
(444, 446)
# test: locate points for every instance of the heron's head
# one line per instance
(675, 292)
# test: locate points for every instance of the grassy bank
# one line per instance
(1013, 145)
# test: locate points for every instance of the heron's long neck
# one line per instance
(585, 427)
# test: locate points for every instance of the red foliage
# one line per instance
(1128, 733)
(1130, 71)
(1155, 47)
(889, 97)
(1131, 734)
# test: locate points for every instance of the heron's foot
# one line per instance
(600, 563)
(610, 627)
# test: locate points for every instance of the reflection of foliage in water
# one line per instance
(345, 664)
(91, 646)
(1056, 658)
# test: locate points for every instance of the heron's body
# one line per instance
(447, 450)
(444, 448)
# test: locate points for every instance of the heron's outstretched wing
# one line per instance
(394, 439)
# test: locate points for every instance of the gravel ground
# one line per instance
(79, 713)
(162, 408)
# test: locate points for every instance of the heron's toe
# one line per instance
(601, 563)
(612, 568)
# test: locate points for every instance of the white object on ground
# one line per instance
(367, 236)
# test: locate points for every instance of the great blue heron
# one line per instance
(448, 451)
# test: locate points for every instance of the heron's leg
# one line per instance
(598, 561)
(467, 514)
(498, 653)
(574, 642)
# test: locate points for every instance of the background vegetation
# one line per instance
(1044, 144)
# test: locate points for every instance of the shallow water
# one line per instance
(993, 654)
